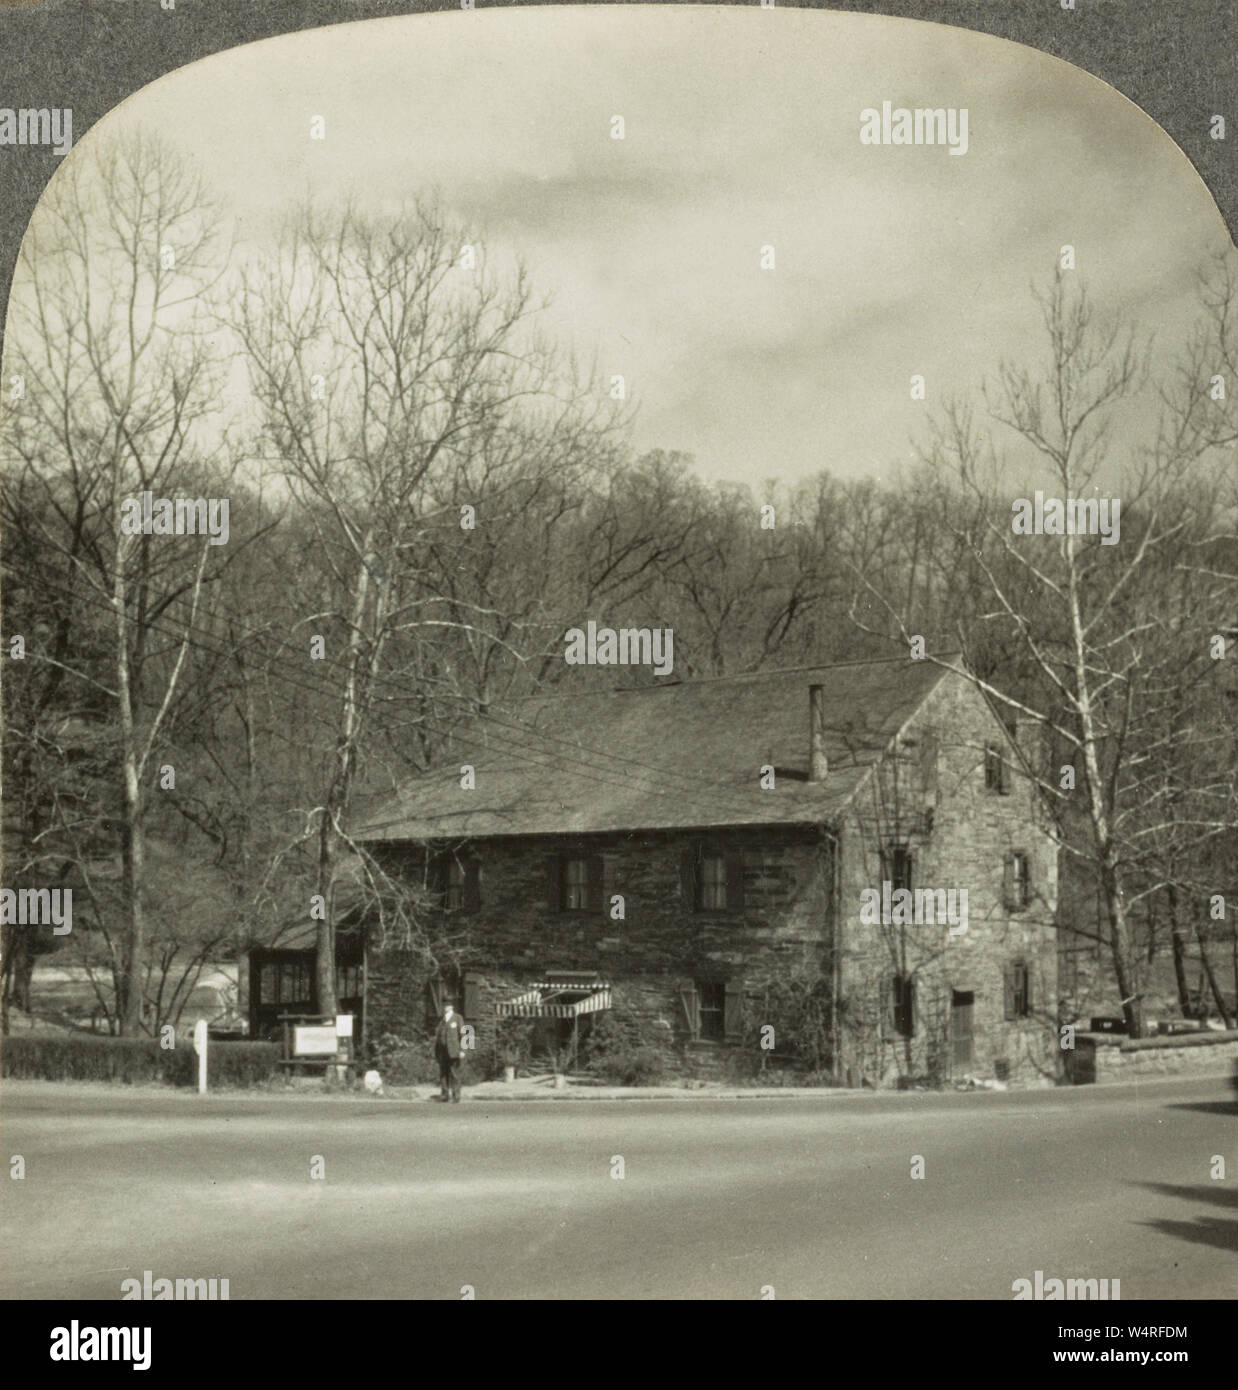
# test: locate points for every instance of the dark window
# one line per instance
(711, 882)
(711, 1009)
(896, 867)
(1018, 881)
(903, 1006)
(458, 882)
(711, 879)
(1018, 990)
(348, 981)
(576, 883)
(286, 983)
(994, 769)
(453, 887)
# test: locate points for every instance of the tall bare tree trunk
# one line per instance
(1210, 975)
(339, 793)
(1178, 944)
(133, 832)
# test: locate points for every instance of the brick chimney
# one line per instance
(818, 763)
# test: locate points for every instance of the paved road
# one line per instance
(718, 1198)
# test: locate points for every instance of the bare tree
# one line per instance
(386, 357)
(121, 388)
(1095, 658)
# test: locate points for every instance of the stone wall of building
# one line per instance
(934, 799)
(649, 946)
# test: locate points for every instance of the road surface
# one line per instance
(717, 1199)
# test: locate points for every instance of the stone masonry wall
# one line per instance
(932, 797)
(959, 834)
(1102, 1057)
(659, 945)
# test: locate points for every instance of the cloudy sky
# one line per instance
(741, 130)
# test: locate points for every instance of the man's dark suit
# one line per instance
(447, 1052)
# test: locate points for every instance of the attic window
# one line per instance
(995, 770)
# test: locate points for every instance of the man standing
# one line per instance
(448, 1052)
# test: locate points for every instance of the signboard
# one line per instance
(343, 1025)
(316, 1040)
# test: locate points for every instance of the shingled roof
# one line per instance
(675, 755)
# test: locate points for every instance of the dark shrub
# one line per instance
(624, 1048)
(630, 1066)
(513, 1043)
(405, 1061)
(86, 1057)
(230, 1064)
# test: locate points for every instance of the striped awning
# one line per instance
(554, 999)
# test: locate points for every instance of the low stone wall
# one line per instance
(1102, 1057)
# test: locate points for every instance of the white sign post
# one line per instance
(199, 1046)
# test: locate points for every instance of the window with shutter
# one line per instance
(1018, 990)
(711, 1009)
(994, 770)
(712, 879)
(687, 877)
(896, 867)
(733, 1019)
(454, 874)
(1008, 992)
(579, 882)
(902, 1006)
(597, 880)
(711, 882)
(692, 1017)
(1017, 881)
(735, 882)
(472, 886)
(574, 883)
(471, 1004)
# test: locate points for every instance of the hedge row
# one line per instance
(83, 1057)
